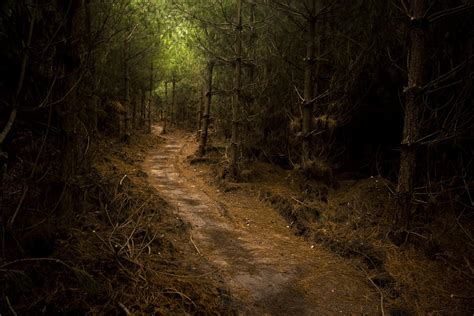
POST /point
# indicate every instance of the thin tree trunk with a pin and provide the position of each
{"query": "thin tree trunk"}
(207, 110)
(126, 57)
(94, 100)
(173, 111)
(165, 108)
(236, 96)
(150, 97)
(201, 110)
(413, 110)
(150, 105)
(12, 117)
(308, 84)
(68, 107)
(253, 39)
(144, 98)
(134, 105)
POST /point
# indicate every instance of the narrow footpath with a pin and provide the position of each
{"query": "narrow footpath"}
(267, 268)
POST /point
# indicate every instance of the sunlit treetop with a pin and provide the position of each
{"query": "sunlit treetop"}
(179, 54)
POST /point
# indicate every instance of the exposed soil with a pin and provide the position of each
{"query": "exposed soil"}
(267, 268)
(424, 270)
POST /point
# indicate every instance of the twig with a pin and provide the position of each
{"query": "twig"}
(18, 207)
(469, 264)
(299, 202)
(381, 296)
(197, 249)
(416, 234)
(8, 126)
(299, 95)
(124, 308)
(109, 245)
(382, 310)
(123, 178)
(36, 259)
(181, 294)
(465, 232)
(10, 306)
(147, 246)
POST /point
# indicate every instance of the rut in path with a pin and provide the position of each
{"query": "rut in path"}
(266, 268)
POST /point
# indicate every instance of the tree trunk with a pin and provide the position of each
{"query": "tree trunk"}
(236, 95)
(93, 100)
(135, 102)
(201, 110)
(150, 106)
(308, 84)
(150, 100)
(207, 110)
(68, 107)
(173, 102)
(126, 57)
(165, 108)
(413, 110)
(19, 88)
(142, 107)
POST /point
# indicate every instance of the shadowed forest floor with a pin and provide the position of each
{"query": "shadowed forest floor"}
(159, 231)
(285, 244)
(266, 267)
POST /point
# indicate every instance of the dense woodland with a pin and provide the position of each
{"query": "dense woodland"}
(331, 90)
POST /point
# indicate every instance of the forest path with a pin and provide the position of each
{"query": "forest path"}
(269, 270)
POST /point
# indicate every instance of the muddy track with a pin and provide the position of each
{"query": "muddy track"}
(267, 269)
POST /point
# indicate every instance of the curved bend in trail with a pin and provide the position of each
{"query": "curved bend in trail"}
(269, 270)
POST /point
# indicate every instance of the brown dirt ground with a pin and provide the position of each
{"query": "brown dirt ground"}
(425, 271)
(267, 269)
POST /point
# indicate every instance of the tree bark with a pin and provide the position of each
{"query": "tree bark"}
(126, 57)
(308, 83)
(236, 95)
(135, 102)
(201, 111)
(93, 99)
(165, 108)
(207, 110)
(67, 113)
(150, 100)
(21, 79)
(413, 110)
(142, 107)
(173, 101)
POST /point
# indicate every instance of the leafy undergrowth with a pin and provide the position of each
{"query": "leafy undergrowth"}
(122, 252)
(428, 270)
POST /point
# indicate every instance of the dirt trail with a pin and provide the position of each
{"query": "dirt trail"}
(268, 269)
